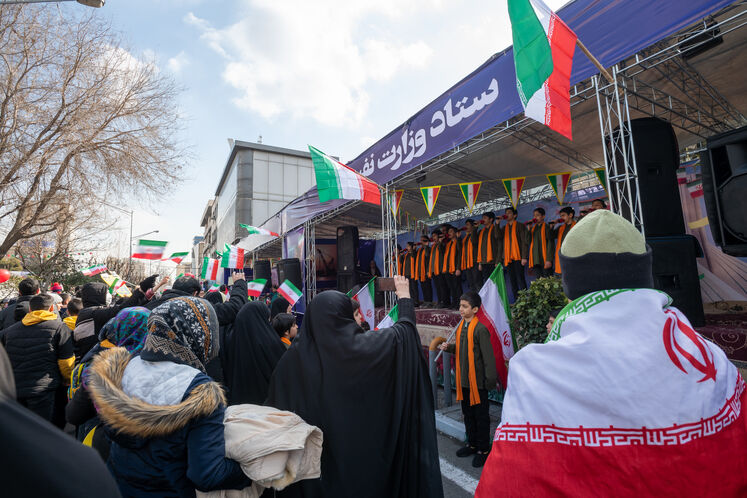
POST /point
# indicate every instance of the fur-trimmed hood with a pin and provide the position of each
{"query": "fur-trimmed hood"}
(132, 416)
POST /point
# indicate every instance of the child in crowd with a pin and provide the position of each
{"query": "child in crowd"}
(551, 318)
(73, 308)
(286, 327)
(475, 375)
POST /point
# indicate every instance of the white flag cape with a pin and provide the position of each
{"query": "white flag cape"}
(625, 400)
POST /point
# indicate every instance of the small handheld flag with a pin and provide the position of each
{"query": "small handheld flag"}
(149, 249)
(258, 231)
(255, 287)
(210, 268)
(290, 292)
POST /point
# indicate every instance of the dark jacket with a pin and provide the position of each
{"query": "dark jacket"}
(485, 371)
(409, 268)
(456, 246)
(423, 261)
(536, 253)
(164, 443)
(436, 261)
(34, 351)
(483, 256)
(15, 312)
(96, 313)
(226, 313)
(522, 236)
(469, 250)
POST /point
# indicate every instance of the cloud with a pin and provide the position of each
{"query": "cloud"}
(315, 60)
(178, 62)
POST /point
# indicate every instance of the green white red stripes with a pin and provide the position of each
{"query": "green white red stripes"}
(255, 287)
(149, 249)
(559, 183)
(430, 196)
(210, 268)
(232, 257)
(390, 319)
(494, 314)
(176, 257)
(602, 177)
(543, 56)
(258, 231)
(695, 188)
(334, 180)
(365, 297)
(394, 201)
(290, 292)
(513, 188)
(470, 191)
(93, 270)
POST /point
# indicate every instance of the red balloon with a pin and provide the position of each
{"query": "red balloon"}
(4, 275)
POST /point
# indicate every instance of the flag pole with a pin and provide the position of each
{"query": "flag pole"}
(453, 332)
(594, 61)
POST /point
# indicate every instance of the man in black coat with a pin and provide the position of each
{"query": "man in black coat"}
(226, 312)
(41, 352)
(96, 313)
(27, 288)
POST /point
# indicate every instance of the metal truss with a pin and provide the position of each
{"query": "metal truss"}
(309, 233)
(389, 243)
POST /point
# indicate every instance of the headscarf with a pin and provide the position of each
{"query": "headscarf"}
(252, 350)
(183, 330)
(279, 305)
(340, 379)
(214, 297)
(127, 329)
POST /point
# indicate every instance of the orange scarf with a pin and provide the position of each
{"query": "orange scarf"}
(285, 341)
(544, 245)
(468, 259)
(561, 231)
(434, 268)
(400, 264)
(489, 256)
(413, 265)
(474, 396)
(450, 257)
(420, 263)
(511, 250)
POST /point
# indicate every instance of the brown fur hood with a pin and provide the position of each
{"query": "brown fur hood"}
(134, 417)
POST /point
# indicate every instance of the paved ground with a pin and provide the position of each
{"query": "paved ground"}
(458, 476)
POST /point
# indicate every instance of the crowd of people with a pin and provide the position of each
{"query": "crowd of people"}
(146, 387)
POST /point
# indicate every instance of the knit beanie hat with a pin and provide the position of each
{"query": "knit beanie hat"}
(604, 251)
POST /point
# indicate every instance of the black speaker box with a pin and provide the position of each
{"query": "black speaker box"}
(262, 269)
(290, 269)
(347, 249)
(657, 159)
(676, 273)
(724, 166)
(346, 281)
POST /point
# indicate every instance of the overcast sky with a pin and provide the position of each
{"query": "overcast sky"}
(335, 74)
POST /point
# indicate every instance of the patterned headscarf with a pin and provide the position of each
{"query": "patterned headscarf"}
(128, 329)
(182, 330)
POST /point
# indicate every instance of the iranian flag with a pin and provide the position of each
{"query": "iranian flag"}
(149, 249)
(494, 314)
(232, 257)
(116, 284)
(210, 268)
(214, 287)
(176, 257)
(430, 196)
(258, 231)
(394, 201)
(695, 188)
(513, 188)
(602, 177)
(365, 297)
(682, 175)
(559, 183)
(93, 270)
(334, 180)
(543, 56)
(255, 287)
(469, 192)
(390, 319)
(290, 292)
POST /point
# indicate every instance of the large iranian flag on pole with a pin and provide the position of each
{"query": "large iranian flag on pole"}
(232, 257)
(494, 314)
(149, 249)
(334, 180)
(469, 192)
(290, 292)
(365, 297)
(210, 268)
(543, 56)
(626, 399)
(255, 287)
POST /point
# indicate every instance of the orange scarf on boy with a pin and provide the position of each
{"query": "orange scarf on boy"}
(474, 396)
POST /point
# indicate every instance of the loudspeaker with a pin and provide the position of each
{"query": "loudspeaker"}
(657, 159)
(262, 269)
(346, 281)
(347, 249)
(676, 273)
(724, 166)
(290, 269)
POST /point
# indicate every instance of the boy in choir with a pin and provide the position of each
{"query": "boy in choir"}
(452, 266)
(515, 249)
(488, 246)
(410, 270)
(567, 215)
(422, 262)
(540, 245)
(469, 256)
(436, 264)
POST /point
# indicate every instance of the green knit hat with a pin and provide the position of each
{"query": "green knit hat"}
(604, 251)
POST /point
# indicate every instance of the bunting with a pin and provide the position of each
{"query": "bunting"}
(602, 177)
(394, 201)
(430, 195)
(559, 183)
(513, 188)
(470, 191)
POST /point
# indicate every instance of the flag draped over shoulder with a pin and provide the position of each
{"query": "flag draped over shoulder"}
(625, 399)
(543, 56)
(334, 180)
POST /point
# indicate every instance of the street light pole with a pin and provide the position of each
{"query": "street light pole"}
(88, 3)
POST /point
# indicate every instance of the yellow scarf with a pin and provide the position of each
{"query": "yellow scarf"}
(511, 250)
(37, 316)
(474, 396)
(70, 321)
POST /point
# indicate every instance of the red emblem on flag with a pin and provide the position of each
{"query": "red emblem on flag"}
(506, 340)
(704, 364)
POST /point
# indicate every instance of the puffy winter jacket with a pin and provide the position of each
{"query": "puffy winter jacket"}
(165, 421)
(15, 312)
(37, 352)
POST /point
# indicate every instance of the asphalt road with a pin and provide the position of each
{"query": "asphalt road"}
(457, 474)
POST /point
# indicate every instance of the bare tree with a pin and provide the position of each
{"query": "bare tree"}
(80, 118)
